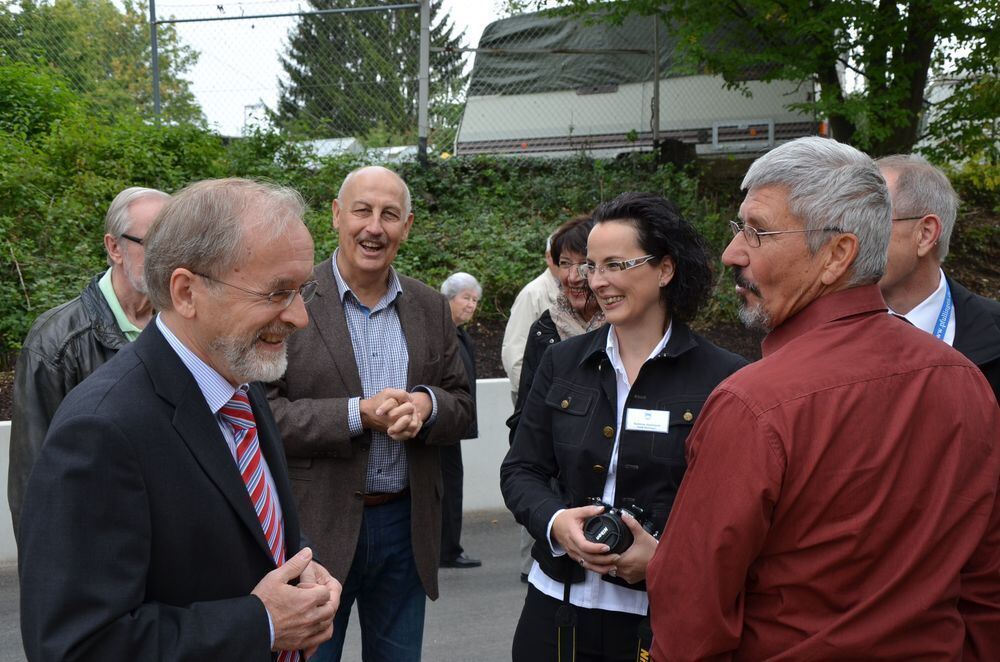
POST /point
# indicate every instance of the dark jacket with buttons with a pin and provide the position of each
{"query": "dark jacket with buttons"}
(567, 432)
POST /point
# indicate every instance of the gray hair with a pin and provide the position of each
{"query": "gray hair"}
(459, 282)
(205, 227)
(923, 189)
(407, 200)
(832, 185)
(118, 219)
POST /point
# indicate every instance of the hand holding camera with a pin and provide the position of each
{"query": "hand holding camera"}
(567, 531)
(628, 534)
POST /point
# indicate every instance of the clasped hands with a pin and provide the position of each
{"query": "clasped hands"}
(567, 529)
(398, 413)
(302, 615)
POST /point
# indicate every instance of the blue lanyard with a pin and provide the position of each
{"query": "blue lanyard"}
(945, 315)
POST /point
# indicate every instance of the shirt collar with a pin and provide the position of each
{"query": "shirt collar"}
(827, 308)
(925, 314)
(611, 347)
(216, 389)
(130, 330)
(394, 289)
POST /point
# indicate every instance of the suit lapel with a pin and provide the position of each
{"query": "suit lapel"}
(412, 319)
(326, 313)
(196, 426)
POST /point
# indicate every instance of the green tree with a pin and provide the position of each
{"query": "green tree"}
(103, 52)
(870, 59)
(356, 74)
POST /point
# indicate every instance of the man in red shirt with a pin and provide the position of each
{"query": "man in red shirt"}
(841, 493)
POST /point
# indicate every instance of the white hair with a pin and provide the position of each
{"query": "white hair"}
(922, 189)
(832, 185)
(118, 219)
(458, 282)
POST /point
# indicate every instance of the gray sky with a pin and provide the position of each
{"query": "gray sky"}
(238, 68)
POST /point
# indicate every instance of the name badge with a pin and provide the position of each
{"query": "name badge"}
(647, 420)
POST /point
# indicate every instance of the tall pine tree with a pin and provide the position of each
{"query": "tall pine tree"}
(357, 74)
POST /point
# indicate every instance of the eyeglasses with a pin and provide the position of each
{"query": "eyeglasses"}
(753, 235)
(567, 265)
(281, 298)
(135, 240)
(588, 270)
(908, 218)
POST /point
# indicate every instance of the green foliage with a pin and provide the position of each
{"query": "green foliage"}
(978, 184)
(31, 100)
(102, 50)
(55, 185)
(491, 216)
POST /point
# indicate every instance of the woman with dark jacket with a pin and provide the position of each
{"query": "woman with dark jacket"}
(463, 292)
(606, 417)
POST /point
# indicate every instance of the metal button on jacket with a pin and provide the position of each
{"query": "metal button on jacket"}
(564, 404)
(598, 469)
(609, 431)
(688, 416)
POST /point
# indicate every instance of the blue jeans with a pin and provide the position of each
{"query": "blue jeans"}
(384, 581)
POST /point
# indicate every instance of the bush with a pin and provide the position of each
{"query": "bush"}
(978, 184)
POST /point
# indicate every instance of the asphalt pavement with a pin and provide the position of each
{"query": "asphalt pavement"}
(474, 618)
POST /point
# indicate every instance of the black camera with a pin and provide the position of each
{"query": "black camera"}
(609, 529)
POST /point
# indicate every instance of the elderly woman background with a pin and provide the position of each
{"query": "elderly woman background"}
(463, 292)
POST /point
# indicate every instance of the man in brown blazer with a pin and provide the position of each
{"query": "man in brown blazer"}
(374, 385)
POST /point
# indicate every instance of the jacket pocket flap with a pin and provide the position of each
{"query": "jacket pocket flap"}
(569, 398)
(683, 411)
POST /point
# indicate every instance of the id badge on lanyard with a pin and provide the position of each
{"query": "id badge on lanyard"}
(945, 315)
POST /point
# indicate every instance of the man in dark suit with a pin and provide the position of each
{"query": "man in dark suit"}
(924, 207)
(159, 523)
(375, 385)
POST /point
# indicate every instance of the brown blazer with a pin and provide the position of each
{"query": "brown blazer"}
(326, 465)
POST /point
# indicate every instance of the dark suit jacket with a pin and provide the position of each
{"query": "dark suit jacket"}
(977, 331)
(467, 352)
(138, 539)
(326, 464)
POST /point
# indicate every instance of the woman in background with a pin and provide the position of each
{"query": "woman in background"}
(575, 311)
(463, 292)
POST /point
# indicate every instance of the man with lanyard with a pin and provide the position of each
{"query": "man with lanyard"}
(70, 341)
(924, 207)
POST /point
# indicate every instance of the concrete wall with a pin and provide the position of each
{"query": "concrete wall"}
(8, 552)
(481, 458)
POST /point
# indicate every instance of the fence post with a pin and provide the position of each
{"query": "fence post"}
(423, 80)
(155, 61)
(656, 85)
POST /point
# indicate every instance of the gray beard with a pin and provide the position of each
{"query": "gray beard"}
(246, 362)
(755, 318)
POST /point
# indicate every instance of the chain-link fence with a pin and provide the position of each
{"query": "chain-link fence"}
(315, 69)
(545, 84)
(318, 69)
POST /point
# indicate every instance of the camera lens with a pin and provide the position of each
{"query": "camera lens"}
(610, 530)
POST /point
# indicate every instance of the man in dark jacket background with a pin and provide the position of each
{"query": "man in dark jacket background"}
(70, 341)
(924, 207)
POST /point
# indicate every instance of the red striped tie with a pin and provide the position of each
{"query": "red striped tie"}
(238, 414)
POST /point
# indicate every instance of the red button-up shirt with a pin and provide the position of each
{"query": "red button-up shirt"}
(840, 501)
